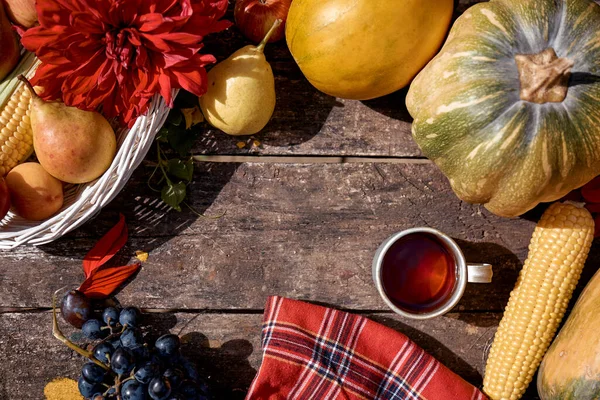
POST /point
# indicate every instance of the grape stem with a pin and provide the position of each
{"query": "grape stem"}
(60, 336)
(112, 334)
(118, 387)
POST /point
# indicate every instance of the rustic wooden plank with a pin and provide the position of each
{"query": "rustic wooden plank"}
(295, 230)
(226, 347)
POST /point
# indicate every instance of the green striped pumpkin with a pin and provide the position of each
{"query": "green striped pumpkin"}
(510, 108)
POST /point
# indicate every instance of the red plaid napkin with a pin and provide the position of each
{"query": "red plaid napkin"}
(313, 352)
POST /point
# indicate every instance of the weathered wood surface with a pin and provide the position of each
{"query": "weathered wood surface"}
(306, 231)
(226, 348)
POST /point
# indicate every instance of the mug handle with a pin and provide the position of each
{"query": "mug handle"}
(479, 273)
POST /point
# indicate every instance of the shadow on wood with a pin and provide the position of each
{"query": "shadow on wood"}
(503, 281)
(226, 369)
(145, 212)
(393, 105)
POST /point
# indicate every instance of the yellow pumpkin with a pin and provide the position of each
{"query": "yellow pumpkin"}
(362, 49)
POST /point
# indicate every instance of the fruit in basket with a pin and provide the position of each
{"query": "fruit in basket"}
(362, 49)
(34, 193)
(9, 45)
(241, 91)
(4, 198)
(21, 12)
(557, 252)
(16, 138)
(73, 145)
(508, 115)
(254, 18)
(571, 367)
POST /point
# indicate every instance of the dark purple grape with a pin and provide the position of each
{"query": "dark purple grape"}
(92, 329)
(159, 389)
(148, 371)
(133, 390)
(93, 373)
(110, 316)
(101, 350)
(167, 345)
(122, 361)
(141, 353)
(129, 316)
(189, 368)
(75, 308)
(131, 337)
(189, 390)
(87, 389)
(175, 376)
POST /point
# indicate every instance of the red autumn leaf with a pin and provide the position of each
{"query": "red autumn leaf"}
(591, 191)
(103, 282)
(597, 230)
(106, 248)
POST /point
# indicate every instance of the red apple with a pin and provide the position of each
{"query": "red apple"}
(4, 198)
(254, 18)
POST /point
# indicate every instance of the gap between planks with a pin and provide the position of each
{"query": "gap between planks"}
(313, 159)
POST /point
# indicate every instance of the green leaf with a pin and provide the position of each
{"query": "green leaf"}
(163, 135)
(181, 169)
(173, 194)
(182, 140)
(175, 117)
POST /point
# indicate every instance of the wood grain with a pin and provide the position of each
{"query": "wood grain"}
(292, 230)
(225, 347)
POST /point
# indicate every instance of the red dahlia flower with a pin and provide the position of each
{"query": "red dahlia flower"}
(118, 53)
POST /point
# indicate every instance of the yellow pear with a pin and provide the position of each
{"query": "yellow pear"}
(241, 91)
(73, 145)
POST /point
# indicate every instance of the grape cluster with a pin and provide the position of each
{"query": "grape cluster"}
(123, 366)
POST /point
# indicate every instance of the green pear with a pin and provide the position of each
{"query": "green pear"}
(240, 99)
(72, 145)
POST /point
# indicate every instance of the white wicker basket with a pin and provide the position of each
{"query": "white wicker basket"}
(82, 202)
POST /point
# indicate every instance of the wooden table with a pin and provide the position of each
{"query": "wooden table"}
(303, 214)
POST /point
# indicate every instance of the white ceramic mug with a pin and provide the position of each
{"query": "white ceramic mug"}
(472, 273)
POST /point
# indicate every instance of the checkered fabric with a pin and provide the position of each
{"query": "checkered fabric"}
(313, 352)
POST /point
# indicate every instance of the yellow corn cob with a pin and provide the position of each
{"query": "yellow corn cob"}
(16, 139)
(557, 252)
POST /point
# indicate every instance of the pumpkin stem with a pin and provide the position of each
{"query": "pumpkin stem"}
(544, 76)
